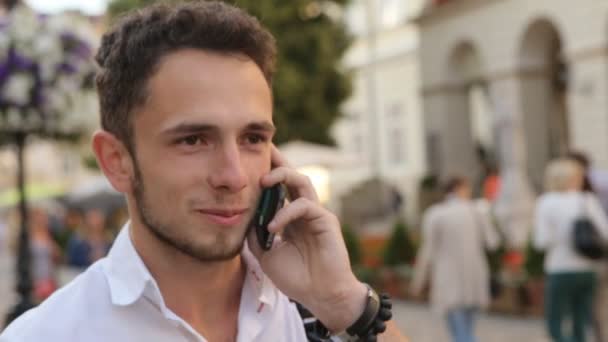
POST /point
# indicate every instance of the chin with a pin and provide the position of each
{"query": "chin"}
(223, 247)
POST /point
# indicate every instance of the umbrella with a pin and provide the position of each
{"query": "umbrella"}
(96, 193)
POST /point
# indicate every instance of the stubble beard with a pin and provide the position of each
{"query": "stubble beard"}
(221, 250)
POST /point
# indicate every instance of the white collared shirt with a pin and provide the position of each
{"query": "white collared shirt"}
(116, 299)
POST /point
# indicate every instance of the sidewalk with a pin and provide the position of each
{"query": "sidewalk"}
(420, 325)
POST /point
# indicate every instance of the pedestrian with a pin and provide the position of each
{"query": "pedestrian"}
(570, 277)
(90, 243)
(595, 181)
(44, 255)
(186, 113)
(491, 184)
(71, 223)
(455, 236)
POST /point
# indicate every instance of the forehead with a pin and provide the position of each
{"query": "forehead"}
(199, 85)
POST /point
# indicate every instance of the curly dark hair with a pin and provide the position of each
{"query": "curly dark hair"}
(132, 49)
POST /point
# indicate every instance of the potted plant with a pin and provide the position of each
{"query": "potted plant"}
(398, 256)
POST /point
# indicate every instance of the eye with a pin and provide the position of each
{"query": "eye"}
(191, 140)
(254, 139)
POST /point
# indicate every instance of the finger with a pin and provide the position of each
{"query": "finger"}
(276, 158)
(300, 209)
(297, 184)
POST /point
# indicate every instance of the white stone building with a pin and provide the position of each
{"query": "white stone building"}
(540, 66)
(382, 126)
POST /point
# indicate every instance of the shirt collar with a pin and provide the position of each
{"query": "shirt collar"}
(126, 273)
(129, 279)
(265, 291)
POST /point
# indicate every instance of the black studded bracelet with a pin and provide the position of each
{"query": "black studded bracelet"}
(372, 322)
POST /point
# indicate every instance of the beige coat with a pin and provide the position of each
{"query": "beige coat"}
(455, 235)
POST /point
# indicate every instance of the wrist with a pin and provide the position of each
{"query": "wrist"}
(343, 307)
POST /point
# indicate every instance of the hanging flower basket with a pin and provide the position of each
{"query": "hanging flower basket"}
(46, 75)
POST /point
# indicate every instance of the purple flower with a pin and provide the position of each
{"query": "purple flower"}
(47, 77)
(18, 62)
(67, 68)
(4, 71)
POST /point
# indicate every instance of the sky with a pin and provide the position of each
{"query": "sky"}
(91, 7)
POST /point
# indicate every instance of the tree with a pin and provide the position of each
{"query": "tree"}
(309, 86)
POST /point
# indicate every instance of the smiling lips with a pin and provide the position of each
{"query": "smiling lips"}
(224, 217)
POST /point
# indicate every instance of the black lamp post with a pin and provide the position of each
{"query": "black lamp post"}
(24, 279)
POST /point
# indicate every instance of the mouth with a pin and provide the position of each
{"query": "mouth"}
(224, 217)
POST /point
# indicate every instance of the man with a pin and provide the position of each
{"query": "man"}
(456, 232)
(186, 112)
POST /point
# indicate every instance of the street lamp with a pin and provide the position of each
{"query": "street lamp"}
(46, 82)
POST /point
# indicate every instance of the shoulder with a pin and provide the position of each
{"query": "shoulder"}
(548, 200)
(593, 201)
(434, 210)
(68, 311)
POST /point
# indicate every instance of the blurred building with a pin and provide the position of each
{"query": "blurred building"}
(382, 126)
(538, 68)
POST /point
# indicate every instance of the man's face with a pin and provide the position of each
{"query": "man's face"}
(202, 143)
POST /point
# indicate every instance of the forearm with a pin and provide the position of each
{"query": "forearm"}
(342, 315)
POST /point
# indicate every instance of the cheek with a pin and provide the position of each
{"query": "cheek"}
(256, 167)
(168, 181)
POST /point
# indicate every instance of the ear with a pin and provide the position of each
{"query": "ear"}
(114, 160)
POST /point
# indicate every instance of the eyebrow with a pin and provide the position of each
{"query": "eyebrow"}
(193, 127)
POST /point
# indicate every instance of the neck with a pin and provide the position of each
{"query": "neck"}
(204, 294)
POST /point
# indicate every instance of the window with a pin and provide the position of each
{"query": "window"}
(396, 137)
(397, 150)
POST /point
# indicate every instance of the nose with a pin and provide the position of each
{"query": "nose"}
(227, 172)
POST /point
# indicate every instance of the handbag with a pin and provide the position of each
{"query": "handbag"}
(586, 239)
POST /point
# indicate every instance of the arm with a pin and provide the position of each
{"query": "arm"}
(542, 226)
(425, 253)
(491, 238)
(309, 263)
(597, 214)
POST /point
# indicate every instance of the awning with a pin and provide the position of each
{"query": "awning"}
(33, 192)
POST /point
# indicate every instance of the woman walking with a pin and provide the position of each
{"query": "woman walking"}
(571, 277)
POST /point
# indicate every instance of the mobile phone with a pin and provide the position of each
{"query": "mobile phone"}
(271, 200)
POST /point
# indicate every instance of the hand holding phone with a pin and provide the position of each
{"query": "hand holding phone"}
(271, 200)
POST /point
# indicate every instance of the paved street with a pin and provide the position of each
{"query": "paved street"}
(415, 320)
(420, 325)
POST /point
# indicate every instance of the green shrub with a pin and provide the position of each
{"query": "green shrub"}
(352, 245)
(534, 261)
(367, 275)
(399, 247)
